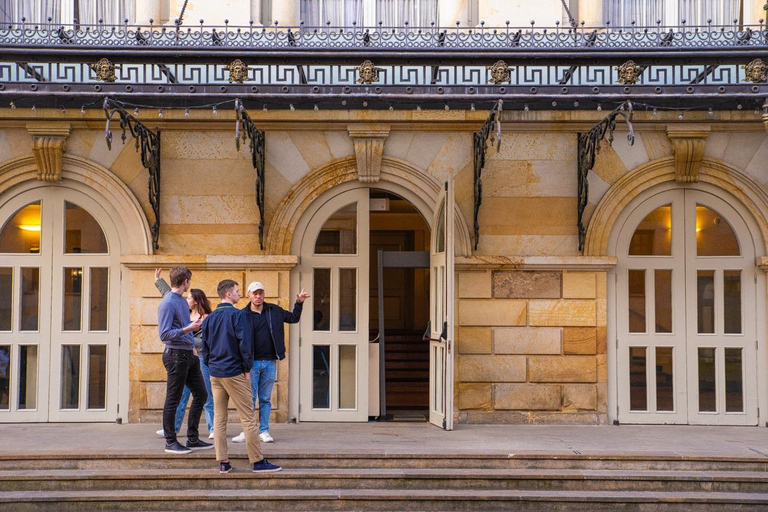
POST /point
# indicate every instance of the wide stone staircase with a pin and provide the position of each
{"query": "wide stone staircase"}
(360, 481)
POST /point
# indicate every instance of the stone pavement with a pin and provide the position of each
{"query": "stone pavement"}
(407, 438)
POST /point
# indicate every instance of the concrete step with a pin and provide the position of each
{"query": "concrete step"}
(393, 500)
(208, 478)
(203, 460)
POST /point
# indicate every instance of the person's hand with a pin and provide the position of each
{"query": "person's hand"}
(158, 271)
(194, 351)
(302, 296)
(196, 325)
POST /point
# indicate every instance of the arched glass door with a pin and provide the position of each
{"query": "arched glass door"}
(58, 309)
(685, 313)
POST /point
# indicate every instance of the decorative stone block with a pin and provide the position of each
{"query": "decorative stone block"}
(491, 312)
(579, 397)
(527, 285)
(562, 312)
(154, 395)
(475, 396)
(526, 340)
(475, 285)
(369, 150)
(148, 368)
(492, 369)
(602, 340)
(579, 285)
(579, 340)
(474, 340)
(562, 369)
(527, 397)
(146, 339)
(601, 285)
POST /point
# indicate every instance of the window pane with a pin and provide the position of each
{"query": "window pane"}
(70, 376)
(665, 396)
(734, 383)
(440, 233)
(663, 297)
(6, 298)
(636, 301)
(73, 299)
(732, 301)
(97, 376)
(707, 386)
(638, 380)
(30, 298)
(83, 233)
(99, 298)
(347, 377)
(5, 377)
(714, 236)
(322, 299)
(321, 377)
(28, 377)
(339, 233)
(705, 297)
(653, 236)
(347, 299)
(21, 234)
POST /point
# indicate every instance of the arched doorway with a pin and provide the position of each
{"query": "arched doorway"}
(686, 309)
(59, 308)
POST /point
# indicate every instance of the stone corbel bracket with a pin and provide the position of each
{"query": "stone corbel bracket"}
(49, 141)
(688, 143)
(369, 149)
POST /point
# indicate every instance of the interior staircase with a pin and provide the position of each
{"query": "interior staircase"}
(342, 482)
(407, 372)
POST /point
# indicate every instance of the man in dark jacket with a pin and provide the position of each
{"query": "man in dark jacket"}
(228, 352)
(266, 323)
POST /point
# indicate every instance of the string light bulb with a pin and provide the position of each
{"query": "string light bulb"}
(159, 112)
(215, 110)
(680, 115)
(136, 111)
(757, 110)
(292, 107)
(739, 106)
(391, 108)
(343, 102)
(186, 112)
(655, 112)
(82, 110)
(526, 107)
(34, 108)
(710, 111)
(599, 107)
(63, 109)
(13, 106)
(576, 103)
(554, 103)
(472, 107)
(418, 108)
(447, 107)
(316, 107)
(264, 108)
(365, 103)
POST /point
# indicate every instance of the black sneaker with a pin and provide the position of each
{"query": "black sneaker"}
(198, 445)
(176, 448)
(264, 466)
(225, 467)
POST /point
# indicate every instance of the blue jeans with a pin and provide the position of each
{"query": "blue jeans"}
(262, 381)
(207, 408)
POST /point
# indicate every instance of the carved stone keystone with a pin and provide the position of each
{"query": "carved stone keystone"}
(369, 149)
(49, 141)
(688, 142)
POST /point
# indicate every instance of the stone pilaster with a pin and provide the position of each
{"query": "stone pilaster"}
(688, 142)
(48, 145)
(369, 149)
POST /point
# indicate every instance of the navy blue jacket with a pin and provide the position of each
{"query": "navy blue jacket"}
(276, 317)
(227, 342)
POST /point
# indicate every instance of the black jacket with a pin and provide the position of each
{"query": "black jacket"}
(276, 317)
(227, 344)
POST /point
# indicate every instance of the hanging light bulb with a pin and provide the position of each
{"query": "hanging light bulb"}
(710, 111)
(343, 102)
(655, 112)
(292, 107)
(215, 110)
(757, 110)
(680, 115)
(316, 107)
(472, 107)
(63, 109)
(526, 107)
(738, 106)
(136, 111)
(186, 112)
(447, 107)
(159, 112)
(599, 107)
(264, 108)
(554, 103)
(13, 106)
(34, 108)
(391, 108)
(82, 110)
(365, 103)
(418, 108)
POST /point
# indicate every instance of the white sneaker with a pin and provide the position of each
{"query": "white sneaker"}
(210, 436)
(240, 438)
(266, 438)
(161, 433)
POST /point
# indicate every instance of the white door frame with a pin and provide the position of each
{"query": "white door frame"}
(760, 291)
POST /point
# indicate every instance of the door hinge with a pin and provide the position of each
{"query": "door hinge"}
(119, 342)
(299, 340)
(617, 342)
(755, 344)
(616, 278)
(118, 408)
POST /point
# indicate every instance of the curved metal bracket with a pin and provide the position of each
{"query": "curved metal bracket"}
(589, 146)
(149, 143)
(481, 147)
(257, 141)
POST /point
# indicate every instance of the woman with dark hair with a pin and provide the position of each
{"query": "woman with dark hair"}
(199, 308)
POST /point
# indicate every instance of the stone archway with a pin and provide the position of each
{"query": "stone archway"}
(397, 176)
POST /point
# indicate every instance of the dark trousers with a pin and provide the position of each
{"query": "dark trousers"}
(183, 370)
